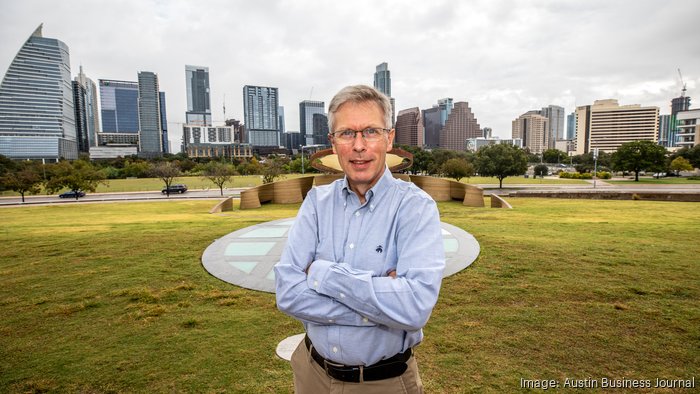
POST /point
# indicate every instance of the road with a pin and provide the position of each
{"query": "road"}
(130, 196)
(235, 192)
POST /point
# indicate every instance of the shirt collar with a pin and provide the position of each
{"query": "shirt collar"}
(374, 194)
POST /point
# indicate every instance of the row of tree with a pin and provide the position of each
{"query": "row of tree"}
(498, 161)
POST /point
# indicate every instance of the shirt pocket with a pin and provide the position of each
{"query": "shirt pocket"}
(372, 257)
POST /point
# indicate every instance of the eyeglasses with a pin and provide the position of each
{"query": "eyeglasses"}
(370, 134)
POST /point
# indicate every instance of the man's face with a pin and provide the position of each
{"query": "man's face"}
(363, 162)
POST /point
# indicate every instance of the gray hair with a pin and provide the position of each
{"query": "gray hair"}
(359, 94)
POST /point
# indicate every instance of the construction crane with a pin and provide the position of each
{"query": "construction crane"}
(682, 83)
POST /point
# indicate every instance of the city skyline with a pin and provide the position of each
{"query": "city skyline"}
(479, 52)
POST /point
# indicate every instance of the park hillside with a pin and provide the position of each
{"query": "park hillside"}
(112, 297)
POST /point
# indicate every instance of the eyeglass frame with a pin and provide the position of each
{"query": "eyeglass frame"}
(362, 132)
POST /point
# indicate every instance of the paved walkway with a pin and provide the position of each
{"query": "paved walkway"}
(246, 257)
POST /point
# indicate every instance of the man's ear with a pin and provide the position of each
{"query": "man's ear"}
(330, 139)
(391, 136)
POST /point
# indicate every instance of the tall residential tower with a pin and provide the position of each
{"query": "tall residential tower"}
(198, 99)
(260, 111)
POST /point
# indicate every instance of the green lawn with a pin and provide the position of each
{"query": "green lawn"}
(520, 180)
(113, 298)
(196, 182)
(660, 181)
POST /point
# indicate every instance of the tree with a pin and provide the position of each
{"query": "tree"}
(680, 164)
(541, 170)
(294, 166)
(76, 176)
(135, 169)
(25, 178)
(250, 167)
(586, 163)
(694, 156)
(166, 171)
(553, 156)
(639, 156)
(6, 165)
(273, 168)
(501, 161)
(458, 168)
(219, 173)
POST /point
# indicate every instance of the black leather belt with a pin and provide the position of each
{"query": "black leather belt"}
(384, 369)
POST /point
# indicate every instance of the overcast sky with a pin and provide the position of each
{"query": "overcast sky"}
(503, 57)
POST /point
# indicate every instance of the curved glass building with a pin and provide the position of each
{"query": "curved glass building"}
(37, 117)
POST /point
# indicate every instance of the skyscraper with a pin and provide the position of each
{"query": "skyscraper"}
(461, 125)
(198, 100)
(320, 129)
(81, 131)
(260, 106)
(409, 127)
(119, 103)
(607, 125)
(91, 115)
(532, 128)
(664, 130)
(382, 79)
(678, 104)
(37, 117)
(382, 82)
(555, 125)
(150, 131)
(571, 126)
(307, 109)
(164, 123)
(432, 127)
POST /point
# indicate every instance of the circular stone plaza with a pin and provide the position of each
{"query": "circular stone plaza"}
(246, 258)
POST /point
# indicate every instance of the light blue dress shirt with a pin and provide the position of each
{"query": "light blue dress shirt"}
(353, 312)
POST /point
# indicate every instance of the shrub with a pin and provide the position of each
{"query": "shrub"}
(604, 175)
(576, 175)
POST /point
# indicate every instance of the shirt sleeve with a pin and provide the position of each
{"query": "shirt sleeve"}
(404, 302)
(292, 292)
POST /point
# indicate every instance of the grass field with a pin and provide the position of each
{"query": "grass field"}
(660, 181)
(195, 182)
(113, 298)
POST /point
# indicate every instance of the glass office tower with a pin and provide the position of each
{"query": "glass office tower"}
(119, 102)
(37, 117)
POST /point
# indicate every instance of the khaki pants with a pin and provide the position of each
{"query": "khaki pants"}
(310, 378)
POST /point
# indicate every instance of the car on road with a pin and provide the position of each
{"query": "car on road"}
(177, 188)
(72, 194)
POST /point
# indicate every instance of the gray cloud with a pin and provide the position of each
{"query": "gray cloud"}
(503, 57)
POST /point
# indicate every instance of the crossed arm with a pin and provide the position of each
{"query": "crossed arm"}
(332, 292)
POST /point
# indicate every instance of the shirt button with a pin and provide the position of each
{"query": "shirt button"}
(357, 213)
(315, 283)
(335, 349)
(371, 206)
(365, 320)
(351, 246)
(330, 320)
(342, 295)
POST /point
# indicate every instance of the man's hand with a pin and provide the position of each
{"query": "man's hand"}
(391, 273)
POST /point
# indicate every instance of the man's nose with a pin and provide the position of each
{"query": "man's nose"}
(359, 143)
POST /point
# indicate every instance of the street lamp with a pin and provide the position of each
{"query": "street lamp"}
(302, 154)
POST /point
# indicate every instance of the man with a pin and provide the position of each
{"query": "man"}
(363, 262)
